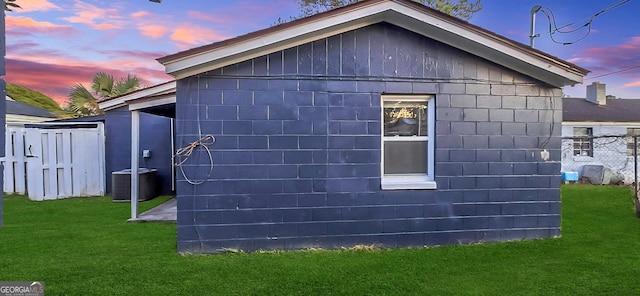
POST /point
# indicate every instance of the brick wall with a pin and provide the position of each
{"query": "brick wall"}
(297, 152)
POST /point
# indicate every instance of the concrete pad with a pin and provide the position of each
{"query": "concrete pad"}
(166, 212)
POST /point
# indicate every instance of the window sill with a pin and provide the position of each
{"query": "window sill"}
(407, 182)
(582, 158)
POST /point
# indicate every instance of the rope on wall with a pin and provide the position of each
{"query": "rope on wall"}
(183, 154)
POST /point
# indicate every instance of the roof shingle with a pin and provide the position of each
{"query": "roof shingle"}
(616, 110)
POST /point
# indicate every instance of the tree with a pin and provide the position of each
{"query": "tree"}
(463, 9)
(34, 98)
(83, 102)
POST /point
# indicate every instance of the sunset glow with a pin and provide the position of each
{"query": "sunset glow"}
(54, 44)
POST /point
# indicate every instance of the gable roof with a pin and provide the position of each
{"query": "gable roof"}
(616, 110)
(407, 14)
(20, 108)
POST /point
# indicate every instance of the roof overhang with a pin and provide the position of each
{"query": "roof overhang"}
(150, 97)
(403, 13)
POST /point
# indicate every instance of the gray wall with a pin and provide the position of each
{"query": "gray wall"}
(155, 135)
(297, 156)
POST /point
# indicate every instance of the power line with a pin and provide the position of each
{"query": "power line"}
(553, 28)
(614, 72)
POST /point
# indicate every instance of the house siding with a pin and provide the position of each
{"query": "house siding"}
(609, 149)
(297, 153)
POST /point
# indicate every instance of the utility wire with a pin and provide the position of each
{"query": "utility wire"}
(553, 27)
(614, 72)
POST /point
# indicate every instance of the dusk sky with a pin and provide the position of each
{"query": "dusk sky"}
(54, 44)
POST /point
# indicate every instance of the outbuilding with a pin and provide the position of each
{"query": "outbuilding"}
(380, 123)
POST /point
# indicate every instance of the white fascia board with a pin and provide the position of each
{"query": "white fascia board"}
(27, 118)
(440, 29)
(146, 92)
(154, 102)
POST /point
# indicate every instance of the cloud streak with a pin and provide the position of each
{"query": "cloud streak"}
(24, 26)
(36, 75)
(95, 17)
(53, 53)
(38, 5)
(607, 59)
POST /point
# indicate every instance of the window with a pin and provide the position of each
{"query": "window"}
(582, 141)
(408, 128)
(631, 133)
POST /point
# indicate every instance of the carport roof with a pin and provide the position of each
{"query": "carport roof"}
(159, 99)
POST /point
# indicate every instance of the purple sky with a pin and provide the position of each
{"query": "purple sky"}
(53, 44)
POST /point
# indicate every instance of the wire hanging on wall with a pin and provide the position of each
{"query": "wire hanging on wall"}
(203, 142)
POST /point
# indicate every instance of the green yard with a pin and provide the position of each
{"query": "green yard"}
(85, 247)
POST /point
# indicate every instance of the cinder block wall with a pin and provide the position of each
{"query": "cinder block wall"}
(297, 152)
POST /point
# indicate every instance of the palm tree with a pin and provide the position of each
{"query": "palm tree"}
(9, 4)
(83, 102)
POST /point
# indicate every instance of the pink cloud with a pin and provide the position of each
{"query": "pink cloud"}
(57, 86)
(140, 14)
(190, 30)
(37, 5)
(95, 17)
(153, 31)
(243, 10)
(574, 60)
(633, 84)
(21, 26)
(195, 35)
(136, 55)
(611, 58)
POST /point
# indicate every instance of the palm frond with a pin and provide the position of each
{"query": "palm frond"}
(103, 84)
(123, 86)
(82, 102)
(9, 4)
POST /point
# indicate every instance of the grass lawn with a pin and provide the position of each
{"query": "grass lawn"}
(85, 247)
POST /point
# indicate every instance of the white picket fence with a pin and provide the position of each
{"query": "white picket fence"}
(54, 160)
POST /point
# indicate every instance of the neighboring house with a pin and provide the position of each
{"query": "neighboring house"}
(23, 112)
(597, 131)
(383, 122)
(155, 129)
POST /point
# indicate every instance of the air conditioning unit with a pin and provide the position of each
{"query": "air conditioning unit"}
(121, 184)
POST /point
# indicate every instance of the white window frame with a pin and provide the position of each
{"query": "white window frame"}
(582, 139)
(410, 181)
(632, 132)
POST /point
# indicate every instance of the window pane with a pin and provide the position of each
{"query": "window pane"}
(405, 157)
(582, 141)
(405, 118)
(582, 131)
